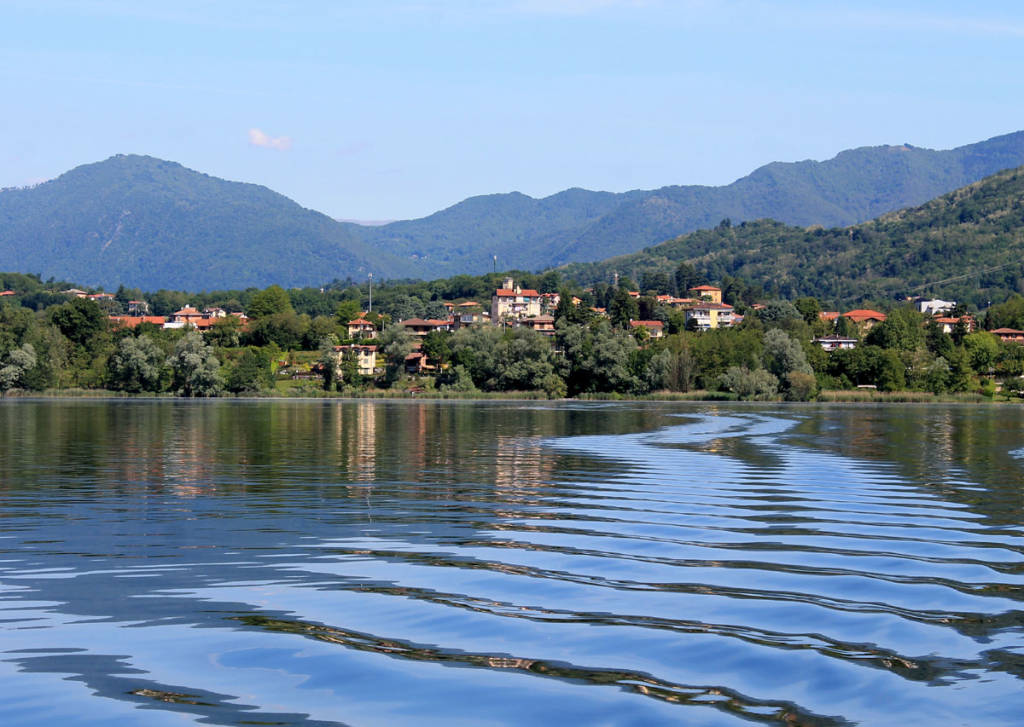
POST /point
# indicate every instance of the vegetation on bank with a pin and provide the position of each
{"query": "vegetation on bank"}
(50, 342)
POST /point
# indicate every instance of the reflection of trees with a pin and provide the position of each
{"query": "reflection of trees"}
(949, 450)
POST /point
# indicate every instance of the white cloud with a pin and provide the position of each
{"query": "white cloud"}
(262, 139)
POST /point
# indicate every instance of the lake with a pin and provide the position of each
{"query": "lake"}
(510, 563)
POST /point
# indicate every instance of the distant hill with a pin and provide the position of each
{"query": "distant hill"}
(967, 246)
(155, 224)
(579, 225)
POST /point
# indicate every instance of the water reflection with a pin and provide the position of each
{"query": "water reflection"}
(389, 562)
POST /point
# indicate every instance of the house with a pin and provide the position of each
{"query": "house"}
(541, 324)
(549, 301)
(189, 316)
(361, 328)
(100, 296)
(138, 308)
(512, 302)
(835, 343)
(655, 328)
(214, 313)
(133, 321)
(416, 363)
(829, 316)
(6, 293)
(75, 292)
(710, 315)
(935, 307)
(864, 318)
(707, 293)
(947, 324)
(1010, 335)
(421, 326)
(365, 355)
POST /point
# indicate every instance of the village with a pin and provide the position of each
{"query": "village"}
(515, 307)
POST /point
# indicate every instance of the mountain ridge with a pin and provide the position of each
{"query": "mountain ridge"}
(159, 224)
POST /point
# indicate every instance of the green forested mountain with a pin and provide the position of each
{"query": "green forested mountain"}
(155, 224)
(967, 245)
(577, 225)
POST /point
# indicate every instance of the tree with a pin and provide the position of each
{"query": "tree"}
(809, 308)
(195, 369)
(15, 366)
(269, 301)
(436, 346)
(251, 374)
(394, 343)
(783, 355)
(136, 365)
(746, 384)
(225, 332)
(622, 309)
(81, 321)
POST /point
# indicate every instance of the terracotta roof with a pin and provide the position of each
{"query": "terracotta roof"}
(1007, 331)
(7, 292)
(861, 314)
(712, 306)
(828, 315)
(507, 292)
(360, 322)
(468, 304)
(132, 321)
(187, 311)
(647, 324)
(705, 287)
(424, 322)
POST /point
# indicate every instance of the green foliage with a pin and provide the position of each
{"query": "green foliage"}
(251, 374)
(929, 249)
(757, 385)
(15, 365)
(270, 301)
(196, 371)
(136, 365)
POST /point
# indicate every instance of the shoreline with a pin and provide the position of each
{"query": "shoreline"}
(837, 396)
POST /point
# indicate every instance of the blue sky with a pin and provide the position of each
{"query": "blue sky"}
(394, 109)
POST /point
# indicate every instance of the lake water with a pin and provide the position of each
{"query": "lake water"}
(515, 563)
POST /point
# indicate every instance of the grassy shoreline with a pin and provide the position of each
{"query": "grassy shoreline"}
(841, 396)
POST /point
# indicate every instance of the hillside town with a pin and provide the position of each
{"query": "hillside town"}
(564, 342)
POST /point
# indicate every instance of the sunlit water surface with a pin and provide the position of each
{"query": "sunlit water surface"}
(315, 563)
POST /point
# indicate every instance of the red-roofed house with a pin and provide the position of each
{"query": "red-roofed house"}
(541, 324)
(865, 318)
(655, 328)
(422, 326)
(1009, 334)
(361, 328)
(366, 358)
(6, 292)
(513, 302)
(708, 293)
(947, 324)
(829, 315)
(132, 321)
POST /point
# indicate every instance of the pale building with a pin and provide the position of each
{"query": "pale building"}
(512, 302)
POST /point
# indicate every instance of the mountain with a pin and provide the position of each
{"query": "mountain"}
(967, 246)
(155, 224)
(579, 225)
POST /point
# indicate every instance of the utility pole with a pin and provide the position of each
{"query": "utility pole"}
(369, 308)
(495, 264)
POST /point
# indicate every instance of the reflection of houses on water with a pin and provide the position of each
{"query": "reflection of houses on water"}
(520, 465)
